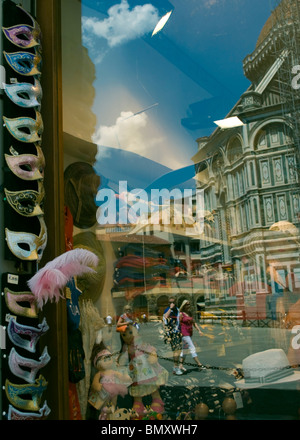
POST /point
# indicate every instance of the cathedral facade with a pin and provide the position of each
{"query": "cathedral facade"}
(250, 176)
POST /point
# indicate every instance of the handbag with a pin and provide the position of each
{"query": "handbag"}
(121, 329)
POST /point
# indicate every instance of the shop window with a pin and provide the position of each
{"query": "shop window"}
(140, 115)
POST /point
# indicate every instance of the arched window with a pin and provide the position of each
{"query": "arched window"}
(273, 135)
(234, 150)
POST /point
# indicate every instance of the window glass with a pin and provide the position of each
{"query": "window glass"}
(181, 145)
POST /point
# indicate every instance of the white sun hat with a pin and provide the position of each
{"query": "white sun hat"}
(266, 368)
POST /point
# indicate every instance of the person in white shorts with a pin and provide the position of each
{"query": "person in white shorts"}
(186, 324)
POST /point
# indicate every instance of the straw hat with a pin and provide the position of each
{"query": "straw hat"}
(265, 368)
(184, 303)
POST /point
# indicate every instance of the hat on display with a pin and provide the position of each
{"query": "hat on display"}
(265, 368)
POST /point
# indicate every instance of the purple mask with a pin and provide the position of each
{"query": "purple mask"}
(27, 369)
(14, 414)
(23, 36)
(18, 333)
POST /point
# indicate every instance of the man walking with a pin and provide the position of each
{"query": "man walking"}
(173, 333)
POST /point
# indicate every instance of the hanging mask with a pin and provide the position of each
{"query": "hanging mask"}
(24, 35)
(14, 300)
(24, 63)
(25, 94)
(14, 391)
(19, 127)
(18, 333)
(26, 166)
(34, 244)
(14, 414)
(26, 369)
(28, 203)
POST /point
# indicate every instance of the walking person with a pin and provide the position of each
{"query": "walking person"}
(126, 317)
(187, 323)
(173, 333)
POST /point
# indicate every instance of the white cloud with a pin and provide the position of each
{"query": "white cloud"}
(122, 24)
(128, 133)
(210, 3)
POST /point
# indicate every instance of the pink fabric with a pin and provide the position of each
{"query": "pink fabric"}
(115, 389)
(112, 385)
(186, 325)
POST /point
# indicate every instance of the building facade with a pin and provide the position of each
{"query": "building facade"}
(250, 177)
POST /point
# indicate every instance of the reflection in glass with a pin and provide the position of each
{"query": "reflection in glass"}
(185, 207)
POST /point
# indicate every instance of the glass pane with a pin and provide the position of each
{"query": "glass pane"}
(181, 151)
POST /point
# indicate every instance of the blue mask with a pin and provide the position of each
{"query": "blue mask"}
(24, 63)
(16, 127)
(25, 94)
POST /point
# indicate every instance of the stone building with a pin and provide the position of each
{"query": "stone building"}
(249, 173)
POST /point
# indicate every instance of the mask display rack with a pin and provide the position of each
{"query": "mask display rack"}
(25, 230)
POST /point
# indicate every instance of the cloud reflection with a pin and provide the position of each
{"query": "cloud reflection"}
(121, 26)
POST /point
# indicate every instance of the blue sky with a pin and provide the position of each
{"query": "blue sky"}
(156, 95)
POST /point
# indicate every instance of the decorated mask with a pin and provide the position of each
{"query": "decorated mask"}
(35, 243)
(26, 166)
(18, 333)
(14, 300)
(24, 63)
(24, 35)
(28, 203)
(24, 368)
(15, 391)
(18, 128)
(25, 94)
(14, 414)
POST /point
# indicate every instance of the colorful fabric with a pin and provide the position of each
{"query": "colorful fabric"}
(74, 405)
(186, 325)
(146, 376)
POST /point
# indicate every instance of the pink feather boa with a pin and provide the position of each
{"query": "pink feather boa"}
(47, 283)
